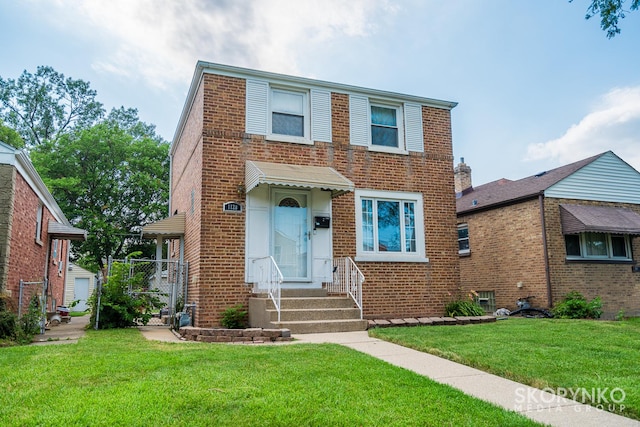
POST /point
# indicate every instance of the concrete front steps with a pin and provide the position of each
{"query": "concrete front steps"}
(306, 311)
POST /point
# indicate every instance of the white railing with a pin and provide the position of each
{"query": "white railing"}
(347, 279)
(269, 280)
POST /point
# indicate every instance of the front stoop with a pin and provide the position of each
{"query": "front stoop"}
(306, 312)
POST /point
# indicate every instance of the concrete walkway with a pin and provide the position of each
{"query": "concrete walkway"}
(540, 406)
(543, 407)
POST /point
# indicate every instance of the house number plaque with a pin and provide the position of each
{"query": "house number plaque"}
(232, 207)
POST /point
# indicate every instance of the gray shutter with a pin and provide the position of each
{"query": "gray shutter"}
(359, 120)
(413, 127)
(320, 115)
(257, 107)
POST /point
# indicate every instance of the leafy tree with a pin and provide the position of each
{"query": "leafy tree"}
(45, 105)
(610, 11)
(10, 136)
(109, 179)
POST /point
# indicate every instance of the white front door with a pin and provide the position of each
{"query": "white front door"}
(290, 234)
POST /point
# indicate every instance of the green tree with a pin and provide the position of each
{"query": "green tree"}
(109, 179)
(45, 105)
(10, 136)
(610, 11)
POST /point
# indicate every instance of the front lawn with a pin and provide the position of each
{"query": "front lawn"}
(597, 361)
(117, 377)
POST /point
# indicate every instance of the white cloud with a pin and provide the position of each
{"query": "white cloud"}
(614, 124)
(161, 40)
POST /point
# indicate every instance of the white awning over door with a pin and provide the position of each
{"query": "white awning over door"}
(322, 177)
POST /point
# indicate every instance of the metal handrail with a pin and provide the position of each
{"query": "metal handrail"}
(270, 280)
(347, 279)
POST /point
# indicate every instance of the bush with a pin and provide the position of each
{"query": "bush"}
(234, 317)
(118, 307)
(463, 308)
(575, 306)
(21, 330)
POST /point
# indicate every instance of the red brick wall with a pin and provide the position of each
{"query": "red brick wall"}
(616, 284)
(391, 289)
(27, 256)
(506, 248)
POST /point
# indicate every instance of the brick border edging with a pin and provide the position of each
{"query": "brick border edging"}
(248, 335)
(430, 321)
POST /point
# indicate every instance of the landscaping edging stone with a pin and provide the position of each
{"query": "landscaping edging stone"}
(249, 335)
(430, 321)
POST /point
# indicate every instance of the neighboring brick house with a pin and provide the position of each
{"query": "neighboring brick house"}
(314, 171)
(34, 233)
(573, 228)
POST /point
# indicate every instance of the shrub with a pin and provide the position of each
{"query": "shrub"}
(21, 330)
(120, 308)
(463, 308)
(234, 317)
(575, 306)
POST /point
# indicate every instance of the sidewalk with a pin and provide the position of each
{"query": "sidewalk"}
(536, 404)
(540, 406)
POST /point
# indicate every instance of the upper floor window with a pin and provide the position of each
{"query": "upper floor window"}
(389, 226)
(598, 246)
(289, 113)
(384, 125)
(39, 216)
(463, 239)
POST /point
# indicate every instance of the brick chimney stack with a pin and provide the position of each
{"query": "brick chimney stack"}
(462, 176)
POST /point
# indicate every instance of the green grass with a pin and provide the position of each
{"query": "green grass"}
(117, 377)
(563, 355)
(78, 313)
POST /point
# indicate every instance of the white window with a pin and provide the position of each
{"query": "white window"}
(39, 215)
(385, 126)
(288, 114)
(463, 239)
(389, 226)
(598, 246)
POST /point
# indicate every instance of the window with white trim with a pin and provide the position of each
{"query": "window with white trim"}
(289, 114)
(286, 113)
(389, 226)
(463, 239)
(598, 246)
(39, 215)
(384, 126)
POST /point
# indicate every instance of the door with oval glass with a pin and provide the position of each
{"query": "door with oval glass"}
(290, 234)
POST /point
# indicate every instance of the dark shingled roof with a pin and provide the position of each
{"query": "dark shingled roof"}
(598, 219)
(504, 191)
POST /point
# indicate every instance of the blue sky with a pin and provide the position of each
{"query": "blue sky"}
(538, 86)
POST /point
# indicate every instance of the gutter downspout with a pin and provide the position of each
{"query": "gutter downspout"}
(543, 224)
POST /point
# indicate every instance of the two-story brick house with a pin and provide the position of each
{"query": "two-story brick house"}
(306, 172)
(34, 234)
(573, 228)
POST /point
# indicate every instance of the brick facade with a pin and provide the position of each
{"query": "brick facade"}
(507, 247)
(210, 161)
(26, 256)
(615, 283)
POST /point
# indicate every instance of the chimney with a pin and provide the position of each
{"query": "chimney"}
(462, 176)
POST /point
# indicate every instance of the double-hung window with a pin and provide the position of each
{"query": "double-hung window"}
(389, 226)
(463, 239)
(39, 219)
(598, 246)
(384, 126)
(288, 113)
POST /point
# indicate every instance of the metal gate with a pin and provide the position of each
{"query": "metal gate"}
(34, 293)
(164, 281)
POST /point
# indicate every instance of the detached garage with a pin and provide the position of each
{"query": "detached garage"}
(79, 286)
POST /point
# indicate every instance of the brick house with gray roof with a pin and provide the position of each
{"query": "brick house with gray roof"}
(573, 228)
